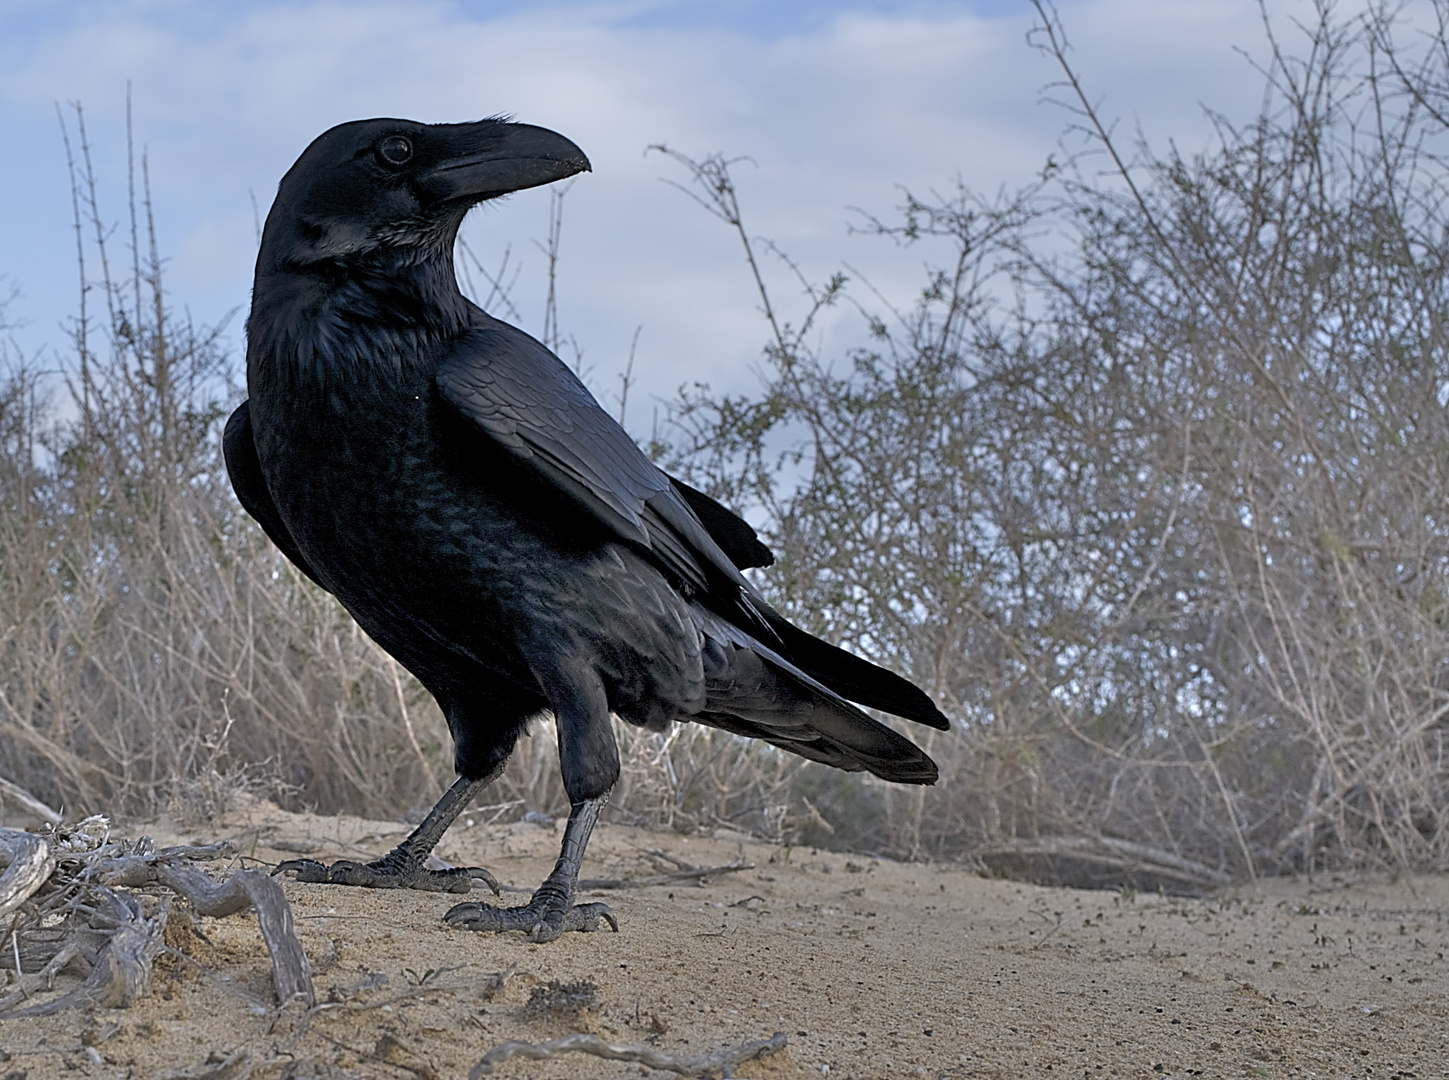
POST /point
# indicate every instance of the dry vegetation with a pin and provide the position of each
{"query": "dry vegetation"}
(1148, 490)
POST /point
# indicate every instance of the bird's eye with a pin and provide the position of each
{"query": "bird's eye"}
(395, 150)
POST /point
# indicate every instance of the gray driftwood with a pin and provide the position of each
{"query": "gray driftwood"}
(28, 864)
(718, 1063)
(291, 974)
(68, 897)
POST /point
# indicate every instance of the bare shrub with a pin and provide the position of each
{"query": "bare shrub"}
(1148, 488)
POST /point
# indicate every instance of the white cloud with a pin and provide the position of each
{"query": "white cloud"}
(835, 116)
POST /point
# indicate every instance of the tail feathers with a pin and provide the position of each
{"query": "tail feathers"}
(853, 678)
(920, 769)
(753, 691)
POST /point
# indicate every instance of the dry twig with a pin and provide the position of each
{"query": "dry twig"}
(17, 794)
(702, 1065)
(291, 974)
(122, 972)
(695, 873)
(28, 864)
(1114, 852)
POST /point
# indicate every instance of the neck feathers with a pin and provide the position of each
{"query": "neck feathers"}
(355, 319)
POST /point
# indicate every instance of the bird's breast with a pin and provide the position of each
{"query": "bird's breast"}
(407, 512)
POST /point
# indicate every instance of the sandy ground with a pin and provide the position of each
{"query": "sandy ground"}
(872, 969)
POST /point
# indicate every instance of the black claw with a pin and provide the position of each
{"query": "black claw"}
(607, 914)
(485, 877)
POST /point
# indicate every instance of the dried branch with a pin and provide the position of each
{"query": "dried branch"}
(122, 973)
(720, 1062)
(73, 909)
(291, 974)
(18, 794)
(28, 863)
(1111, 851)
(697, 873)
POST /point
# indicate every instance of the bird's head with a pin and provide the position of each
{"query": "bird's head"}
(399, 189)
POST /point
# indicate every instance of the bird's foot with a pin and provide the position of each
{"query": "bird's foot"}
(547, 916)
(395, 870)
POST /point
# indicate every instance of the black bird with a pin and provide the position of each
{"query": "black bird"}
(458, 489)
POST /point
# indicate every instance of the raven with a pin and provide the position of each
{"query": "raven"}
(458, 489)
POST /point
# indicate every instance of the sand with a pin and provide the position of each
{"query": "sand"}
(871, 968)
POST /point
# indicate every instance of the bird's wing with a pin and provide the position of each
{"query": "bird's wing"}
(524, 397)
(735, 536)
(245, 470)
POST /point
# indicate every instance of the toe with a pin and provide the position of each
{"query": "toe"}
(484, 918)
(477, 873)
(540, 923)
(586, 918)
(544, 931)
(308, 870)
(360, 874)
(390, 872)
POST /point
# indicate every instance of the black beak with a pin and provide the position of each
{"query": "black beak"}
(492, 158)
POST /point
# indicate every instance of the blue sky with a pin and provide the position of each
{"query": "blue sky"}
(838, 104)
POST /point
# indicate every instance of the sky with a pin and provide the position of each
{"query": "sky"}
(837, 104)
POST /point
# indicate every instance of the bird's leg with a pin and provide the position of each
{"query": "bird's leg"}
(403, 867)
(551, 912)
